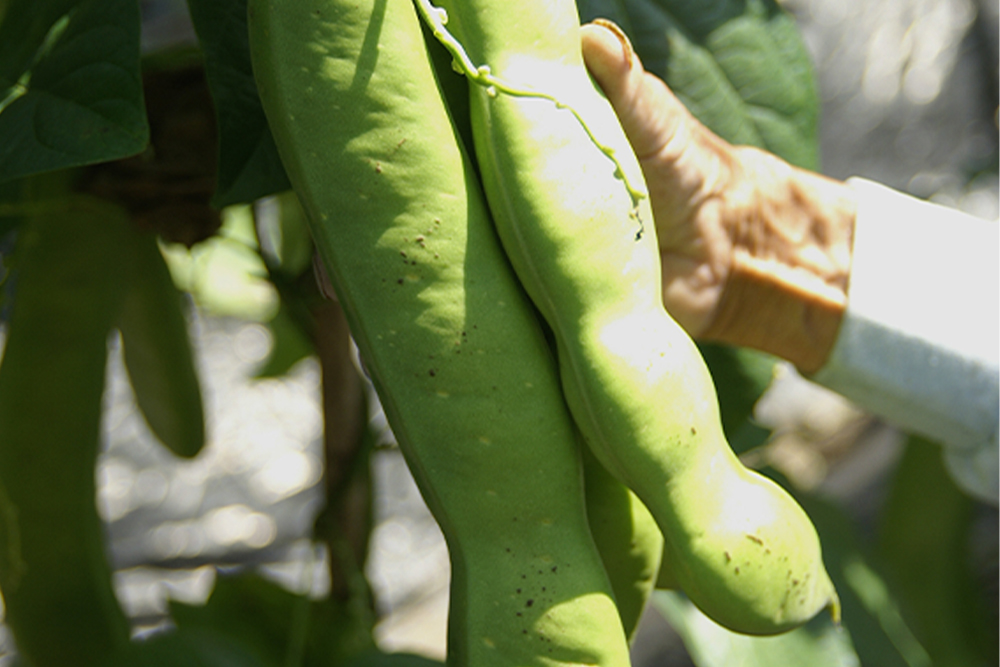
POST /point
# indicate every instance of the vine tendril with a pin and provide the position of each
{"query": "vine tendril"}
(436, 18)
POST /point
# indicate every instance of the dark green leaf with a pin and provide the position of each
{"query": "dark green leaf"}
(612, 10)
(741, 375)
(250, 611)
(187, 647)
(870, 612)
(289, 345)
(249, 166)
(26, 23)
(74, 95)
(924, 544)
(277, 626)
(378, 659)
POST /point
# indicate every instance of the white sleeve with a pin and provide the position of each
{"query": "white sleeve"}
(918, 344)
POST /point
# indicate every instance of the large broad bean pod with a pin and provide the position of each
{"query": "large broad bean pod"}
(739, 546)
(70, 285)
(626, 535)
(463, 370)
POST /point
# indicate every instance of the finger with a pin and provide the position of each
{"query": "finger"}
(648, 111)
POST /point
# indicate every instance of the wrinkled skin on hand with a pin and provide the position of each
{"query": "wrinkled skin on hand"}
(754, 251)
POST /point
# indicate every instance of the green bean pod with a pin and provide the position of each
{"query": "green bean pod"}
(56, 581)
(561, 182)
(464, 372)
(627, 537)
(157, 350)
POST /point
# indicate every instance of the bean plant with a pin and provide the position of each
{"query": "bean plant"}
(453, 195)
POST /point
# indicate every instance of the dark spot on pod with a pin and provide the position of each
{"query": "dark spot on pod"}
(402, 253)
(518, 591)
(755, 539)
(519, 614)
(523, 632)
(795, 582)
(737, 570)
(431, 372)
(543, 589)
(694, 431)
(529, 603)
(400, 281)
(555, 567)
(728, 557)
(378, 168)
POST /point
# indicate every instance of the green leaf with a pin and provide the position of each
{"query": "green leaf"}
(70, 87)
(923, 541)
(740, 67)
(277, 626)
(187, 647)
(25, 25)
(251, 612)
(741, 375)
(226, 274)
(820, 643)
(612, 10)
(379, 659)
(249, 166)
(289, 345)
(870, 612)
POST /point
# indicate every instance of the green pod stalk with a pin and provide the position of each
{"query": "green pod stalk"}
(453, 346)
(55, 578)
(157, 350)
(565, 192)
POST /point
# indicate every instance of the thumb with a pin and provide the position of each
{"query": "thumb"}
(649, 112)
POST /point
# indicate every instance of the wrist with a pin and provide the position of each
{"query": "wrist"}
(786, 289)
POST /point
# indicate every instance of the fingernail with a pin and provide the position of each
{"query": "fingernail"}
(623, 39)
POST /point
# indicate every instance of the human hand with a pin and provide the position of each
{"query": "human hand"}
(753, 251)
